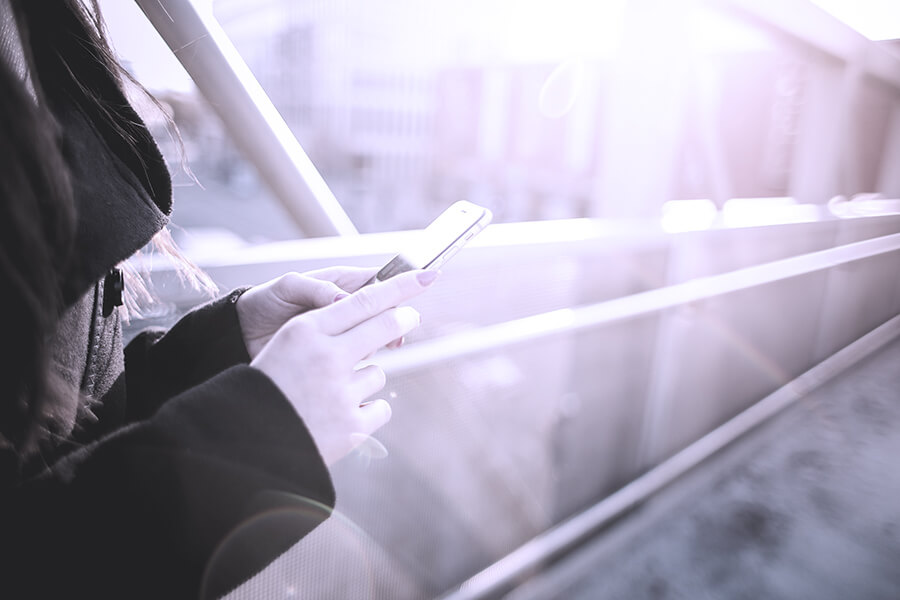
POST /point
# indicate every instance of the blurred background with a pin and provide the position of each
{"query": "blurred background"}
(696, 208)
(536, 110)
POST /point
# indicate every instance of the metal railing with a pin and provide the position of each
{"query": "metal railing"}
(555, 541)
(807, 24)
(569, 320)
(558, 539)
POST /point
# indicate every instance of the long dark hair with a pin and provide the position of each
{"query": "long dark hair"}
(37, 227)
(37, 208)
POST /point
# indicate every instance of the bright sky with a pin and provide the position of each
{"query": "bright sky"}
(875, 19)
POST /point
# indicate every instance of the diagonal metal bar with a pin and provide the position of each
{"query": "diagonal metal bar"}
(226, 82)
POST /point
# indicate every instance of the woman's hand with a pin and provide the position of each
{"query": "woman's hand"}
(263, 309)
(313, 356)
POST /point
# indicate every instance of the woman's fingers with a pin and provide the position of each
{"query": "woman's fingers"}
(370, 336)
(312, 356)
(372, 300)
(305, 292)
(374, 415)
(367, 381)
(346, 278)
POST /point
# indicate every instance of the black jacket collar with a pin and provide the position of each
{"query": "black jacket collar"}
(122, 188)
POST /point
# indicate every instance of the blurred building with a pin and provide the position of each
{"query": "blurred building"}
(362, 108)
(406, 106)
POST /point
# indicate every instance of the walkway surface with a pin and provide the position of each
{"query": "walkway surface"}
(807, 506)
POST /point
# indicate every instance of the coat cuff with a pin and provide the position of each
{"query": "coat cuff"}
(284, 487)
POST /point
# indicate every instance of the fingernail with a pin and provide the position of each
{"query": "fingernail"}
(340, 296)
(426, 278)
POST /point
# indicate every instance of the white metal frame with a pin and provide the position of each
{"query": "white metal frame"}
(823, 166)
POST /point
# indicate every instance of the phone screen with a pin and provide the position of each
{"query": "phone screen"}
(435, 244)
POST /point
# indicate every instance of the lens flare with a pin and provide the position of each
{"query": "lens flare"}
(561, 89)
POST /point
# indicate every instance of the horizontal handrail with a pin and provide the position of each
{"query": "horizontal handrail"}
(567, 320)
(558, 539)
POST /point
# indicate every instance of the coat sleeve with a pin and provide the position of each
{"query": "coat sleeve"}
(188, 503)
(160, 364)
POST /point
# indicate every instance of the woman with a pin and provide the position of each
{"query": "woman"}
(179, 466)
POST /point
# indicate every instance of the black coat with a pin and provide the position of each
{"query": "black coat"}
(188, 470)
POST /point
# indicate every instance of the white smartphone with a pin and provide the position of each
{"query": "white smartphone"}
(438, 242)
